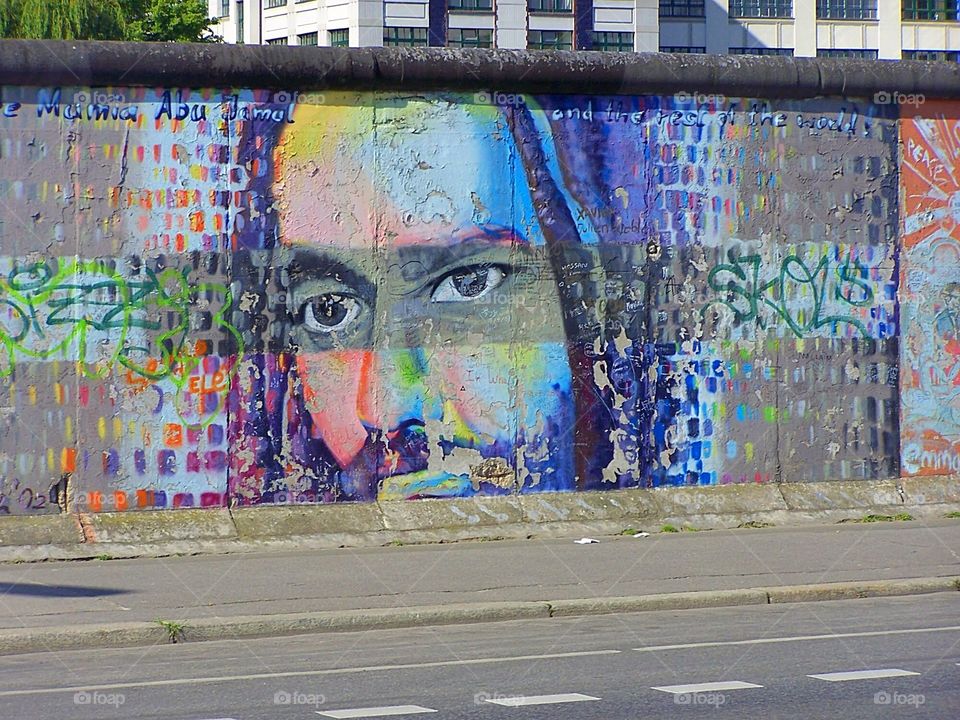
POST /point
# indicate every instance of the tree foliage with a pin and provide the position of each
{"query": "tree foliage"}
(170, 21)
(64, 19)
(150, 20)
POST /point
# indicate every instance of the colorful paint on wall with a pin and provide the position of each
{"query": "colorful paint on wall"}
(930, 290)
(212, 298)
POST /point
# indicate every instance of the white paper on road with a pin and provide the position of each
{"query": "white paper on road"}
(586, 541)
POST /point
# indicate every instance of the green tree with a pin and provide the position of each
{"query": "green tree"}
(169, 21)
(150, 20)
(63, 19)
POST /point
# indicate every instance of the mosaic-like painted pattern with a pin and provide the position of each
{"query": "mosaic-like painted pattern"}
(218, 297)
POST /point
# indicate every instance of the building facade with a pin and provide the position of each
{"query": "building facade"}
(873, 29)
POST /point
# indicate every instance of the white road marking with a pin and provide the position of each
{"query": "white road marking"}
(863, 674)
(796, 638)
(706, 687)
(520, 700)
(306, 673)
(375, 711)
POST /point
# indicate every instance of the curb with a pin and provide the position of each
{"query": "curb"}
(134, 634)
(607, 512)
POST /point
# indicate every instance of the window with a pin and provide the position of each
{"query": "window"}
(484, 5)
(240, 22)
(761, 8)
(307, 39)
(549, 40)
(464, 38)
(550, 6)
(682, 49)
(276, 41)
(339, 38)
(847, 9)
(932, 55)
(274, 3)
(681, 8)
(936, 10)
(761, 51)
(613, 41)
(224, 8)
(404, 37)
(851, 53)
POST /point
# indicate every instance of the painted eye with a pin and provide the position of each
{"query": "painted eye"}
(468, 284)
(330, 312)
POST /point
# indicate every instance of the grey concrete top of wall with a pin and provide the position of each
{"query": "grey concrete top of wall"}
(34, 62)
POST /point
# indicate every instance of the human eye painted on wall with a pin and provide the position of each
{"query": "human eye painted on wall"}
(428, 341)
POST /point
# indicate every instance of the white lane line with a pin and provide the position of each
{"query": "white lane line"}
(797, 638)
(307, 673)
(375, 711)
(706, 687)
(863, 675)
(520, 700)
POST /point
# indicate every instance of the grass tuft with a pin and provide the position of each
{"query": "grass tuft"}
(174, 629)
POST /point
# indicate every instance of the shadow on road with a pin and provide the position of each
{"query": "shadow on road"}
(62, 591)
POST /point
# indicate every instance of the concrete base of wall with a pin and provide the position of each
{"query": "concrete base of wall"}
(189, 531)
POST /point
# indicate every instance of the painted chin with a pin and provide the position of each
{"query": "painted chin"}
(396, 466)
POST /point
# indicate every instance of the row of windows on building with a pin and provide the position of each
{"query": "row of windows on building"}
(607, 41)
(472, 38)
(928, 10)
(928, 55)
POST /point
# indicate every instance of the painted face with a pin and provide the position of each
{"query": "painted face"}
(429, 336)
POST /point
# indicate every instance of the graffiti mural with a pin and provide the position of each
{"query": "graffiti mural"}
(214, 298)
(930, 291)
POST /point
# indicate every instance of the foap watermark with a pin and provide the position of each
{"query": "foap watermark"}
(310, 98)
(498, 98)
(283, 697)
(898, 98)
(698, 98)
(493, 304)
(700, 699)
(898, 698)
(485, 697)
(87, 697)
(97, 96)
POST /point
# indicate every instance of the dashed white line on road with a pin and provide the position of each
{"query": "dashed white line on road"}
(308, 673)
(796, 638)
(863, 674)
(520, 700)
(706, 687)
(372, 712)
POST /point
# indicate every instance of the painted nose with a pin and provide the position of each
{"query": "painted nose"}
(392, 390)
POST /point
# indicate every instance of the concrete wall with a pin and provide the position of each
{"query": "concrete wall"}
(218, 297)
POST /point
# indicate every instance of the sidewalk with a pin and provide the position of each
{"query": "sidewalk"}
(199, 590)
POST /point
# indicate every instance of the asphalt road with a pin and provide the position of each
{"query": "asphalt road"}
(619, 666)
